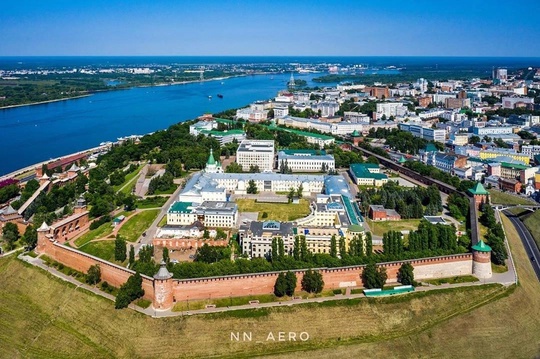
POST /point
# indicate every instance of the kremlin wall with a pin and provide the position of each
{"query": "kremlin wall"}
(164, 291)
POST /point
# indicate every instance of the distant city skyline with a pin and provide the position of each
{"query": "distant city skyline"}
(269, 28)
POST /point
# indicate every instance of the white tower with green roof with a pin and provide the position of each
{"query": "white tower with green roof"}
(481, 266)
(213, 166)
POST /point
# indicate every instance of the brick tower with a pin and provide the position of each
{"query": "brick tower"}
(479, 194)
(43, 238)
(163, 289)
(481, 267)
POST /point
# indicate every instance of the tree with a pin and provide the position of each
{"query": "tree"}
(406, 274)
(119, 249)
(129, 202)
(252, 187)
(342, 248)
(10, 233)
(333, 246)
(312, 282)
(254, 169)
(30, 236)
(233, 168)
(131, 255)
(374, 277)
(291, 279)
(291, 194)
(129, 291)
(296, 249)
(166, 257)
(280, 287)
(94, 274)
(369, 244)
(299, 191)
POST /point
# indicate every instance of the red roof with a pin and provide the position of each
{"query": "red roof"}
(66, 161)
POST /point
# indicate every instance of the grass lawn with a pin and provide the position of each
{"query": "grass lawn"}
(532, 222)
(169, 191)
(151, 202)
(136, 225)
(502, 323)
(378, 228)
(275, 211)
(102, 231)
(162, 221)
(101, 249)
(129, 178)
(452, 280)
(498, 197)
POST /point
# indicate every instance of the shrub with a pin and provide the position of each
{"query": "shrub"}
(337, 291)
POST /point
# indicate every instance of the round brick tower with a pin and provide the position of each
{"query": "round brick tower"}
(481, 267)
(163, 289)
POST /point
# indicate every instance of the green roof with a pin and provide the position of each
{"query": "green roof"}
(211, 160)
(515, 166)
(402, 160)
(355, 133)
(361, 170)
(181, 207)
(302, 133)
(216, 133)
(481, 247)
(224, 120)
(431, 148)
(356, 228)
(478, 189)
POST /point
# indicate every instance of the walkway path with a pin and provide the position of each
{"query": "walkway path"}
(38, 262)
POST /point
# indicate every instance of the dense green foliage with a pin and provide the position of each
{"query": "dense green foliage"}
(409, 203)
(94, 274)
(374, 276)
(402, 141)
(129, 291)
(211, 254)
(285, 284)
(312, 281)
(10, 232)
(161, 183)
(120, 249)
(8, 192)
(406, 274)
(495, 235)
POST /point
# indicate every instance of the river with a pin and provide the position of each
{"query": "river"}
(32, 134)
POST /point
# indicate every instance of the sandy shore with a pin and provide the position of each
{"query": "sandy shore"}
(44, 102)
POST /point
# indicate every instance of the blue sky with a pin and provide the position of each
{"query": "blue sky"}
(253, 27)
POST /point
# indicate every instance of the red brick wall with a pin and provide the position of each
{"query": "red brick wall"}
(263, 283)
(113, 274)
(223, 287)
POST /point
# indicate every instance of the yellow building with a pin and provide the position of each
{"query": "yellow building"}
(516, 156)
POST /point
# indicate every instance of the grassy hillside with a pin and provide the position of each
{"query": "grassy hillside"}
(42, 317)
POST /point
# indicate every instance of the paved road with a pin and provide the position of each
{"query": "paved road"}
(528, 242)
(151, 231)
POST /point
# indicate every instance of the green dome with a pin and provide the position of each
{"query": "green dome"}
(211, 160)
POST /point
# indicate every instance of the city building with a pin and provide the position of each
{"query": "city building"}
(379, 213)
(515, 102)
(492, 130)
(530, 150)
(306, 160)
(256, 153)
(367, 174)
(209, 213)
(388, 109)
(251, 114)
(256, 238)
(428, 133)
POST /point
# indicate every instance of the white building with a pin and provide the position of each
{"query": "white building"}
(530, 150)
(305, 160)
(256, 153)
(513, 102)
(492, 130)
(252, 115)
(339, 128)
(327, 108)
(390, 109)
(427, 133)
(209, 213)
(281, 112)
(356, 117)
(272, 182)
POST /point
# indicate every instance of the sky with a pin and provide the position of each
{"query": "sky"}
(270, 28)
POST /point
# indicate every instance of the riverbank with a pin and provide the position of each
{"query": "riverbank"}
(44, 102)
(130, 87)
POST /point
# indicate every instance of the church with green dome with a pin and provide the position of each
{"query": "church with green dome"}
(213, 166)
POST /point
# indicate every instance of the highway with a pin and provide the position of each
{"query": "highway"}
(528, 242)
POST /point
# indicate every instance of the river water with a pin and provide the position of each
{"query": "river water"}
(32, 134)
